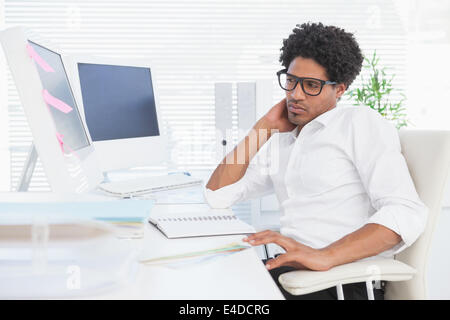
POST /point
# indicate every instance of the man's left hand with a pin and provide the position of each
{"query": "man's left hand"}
(297, 255)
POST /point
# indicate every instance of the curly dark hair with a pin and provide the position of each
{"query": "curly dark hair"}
(331, 47)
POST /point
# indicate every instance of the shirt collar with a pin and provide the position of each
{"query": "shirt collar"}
(294, 133)
(324, 119)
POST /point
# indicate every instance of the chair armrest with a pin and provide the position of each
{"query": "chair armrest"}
(307, 281)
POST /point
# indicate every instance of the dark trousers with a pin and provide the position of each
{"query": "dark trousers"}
(353, 291)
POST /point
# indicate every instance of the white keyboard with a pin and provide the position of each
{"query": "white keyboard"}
(146, 185)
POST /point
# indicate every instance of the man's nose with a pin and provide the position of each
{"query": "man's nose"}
(298, 93)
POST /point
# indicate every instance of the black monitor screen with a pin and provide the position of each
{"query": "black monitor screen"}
(119, 101)
(59, 98)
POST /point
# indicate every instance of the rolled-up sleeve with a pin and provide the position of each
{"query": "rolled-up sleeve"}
(256, 182)
(226, 196)
(385, 175)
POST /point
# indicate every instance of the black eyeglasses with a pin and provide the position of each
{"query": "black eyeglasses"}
(310, 86)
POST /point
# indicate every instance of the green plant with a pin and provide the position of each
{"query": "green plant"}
(376, 91)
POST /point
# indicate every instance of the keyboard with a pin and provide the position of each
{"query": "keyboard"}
(141, 186)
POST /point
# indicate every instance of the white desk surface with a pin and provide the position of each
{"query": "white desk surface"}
(240, 275)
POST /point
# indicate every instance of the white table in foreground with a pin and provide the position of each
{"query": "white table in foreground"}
(240, 275)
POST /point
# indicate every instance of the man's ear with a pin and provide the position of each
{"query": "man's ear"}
(340, 90)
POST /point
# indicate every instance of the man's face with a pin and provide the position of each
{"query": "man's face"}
(303, 108)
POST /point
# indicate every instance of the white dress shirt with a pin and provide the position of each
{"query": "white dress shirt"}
(342, 171)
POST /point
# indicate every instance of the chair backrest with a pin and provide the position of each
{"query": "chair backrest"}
(427, 154)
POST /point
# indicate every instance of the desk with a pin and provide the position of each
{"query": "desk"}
(237, 276)
(240, 275)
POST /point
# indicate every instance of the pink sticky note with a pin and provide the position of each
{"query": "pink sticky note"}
(63, 146)
(55, 102)
(38, 59)
(59, 136)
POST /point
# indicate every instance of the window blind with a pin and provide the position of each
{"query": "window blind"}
(194, 44)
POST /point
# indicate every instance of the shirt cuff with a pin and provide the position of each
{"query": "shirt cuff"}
(407, 222)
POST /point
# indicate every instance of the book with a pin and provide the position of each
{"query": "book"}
(196, 220)
(45, 258)
(127, 216)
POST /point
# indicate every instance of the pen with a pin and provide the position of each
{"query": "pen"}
(267, 252)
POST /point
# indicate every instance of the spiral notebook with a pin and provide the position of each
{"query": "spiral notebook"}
(194, 220)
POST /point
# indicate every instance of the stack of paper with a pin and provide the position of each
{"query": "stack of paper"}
(128, 216)
(196, 256)
(64, 259)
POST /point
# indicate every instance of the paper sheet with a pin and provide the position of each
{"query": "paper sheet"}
(197, 255)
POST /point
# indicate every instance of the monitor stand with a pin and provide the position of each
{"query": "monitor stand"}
(28, 169)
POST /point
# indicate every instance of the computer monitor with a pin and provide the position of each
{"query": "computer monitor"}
(59, 135)
(121, 110)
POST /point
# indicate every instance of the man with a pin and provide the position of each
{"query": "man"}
(343, 186)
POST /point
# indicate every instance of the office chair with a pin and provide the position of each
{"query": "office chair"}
(427, 154)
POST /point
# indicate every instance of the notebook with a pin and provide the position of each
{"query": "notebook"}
(196, 220)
